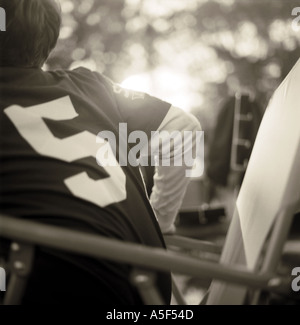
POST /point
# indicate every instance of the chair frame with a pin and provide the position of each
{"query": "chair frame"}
(28, 234)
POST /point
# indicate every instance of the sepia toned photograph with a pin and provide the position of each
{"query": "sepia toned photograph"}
(149, 155)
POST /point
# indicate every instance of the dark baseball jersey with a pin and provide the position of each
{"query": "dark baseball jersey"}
(49, 122)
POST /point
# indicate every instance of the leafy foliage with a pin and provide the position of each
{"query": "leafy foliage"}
(195, 53)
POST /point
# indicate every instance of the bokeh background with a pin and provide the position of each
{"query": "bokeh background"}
(193, 53)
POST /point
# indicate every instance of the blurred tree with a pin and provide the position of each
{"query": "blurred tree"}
(196, 53)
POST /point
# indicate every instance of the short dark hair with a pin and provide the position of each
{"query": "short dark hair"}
(32, 30)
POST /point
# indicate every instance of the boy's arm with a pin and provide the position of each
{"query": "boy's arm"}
(171, 182)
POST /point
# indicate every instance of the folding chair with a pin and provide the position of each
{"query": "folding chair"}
(269, 196)
(248, 265)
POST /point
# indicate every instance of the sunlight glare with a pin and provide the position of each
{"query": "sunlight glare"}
(163, 84)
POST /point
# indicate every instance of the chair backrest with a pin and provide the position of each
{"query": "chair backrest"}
(269, 195)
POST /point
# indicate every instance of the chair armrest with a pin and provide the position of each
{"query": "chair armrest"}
(130, 253)
(193, 244)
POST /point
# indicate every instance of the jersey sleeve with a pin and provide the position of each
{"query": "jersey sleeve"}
(171, 182)
(139, 110)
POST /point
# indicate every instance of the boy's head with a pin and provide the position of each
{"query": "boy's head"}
(32, 30)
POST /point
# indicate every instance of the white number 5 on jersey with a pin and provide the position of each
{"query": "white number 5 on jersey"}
(29, 123)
